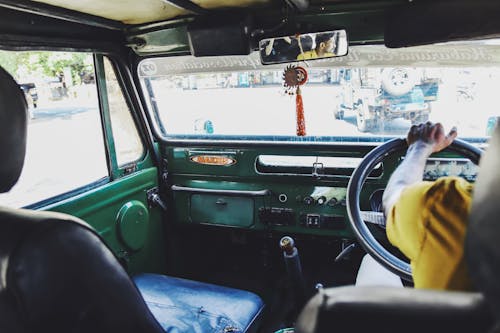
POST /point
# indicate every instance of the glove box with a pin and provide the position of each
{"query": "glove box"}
(222, 210)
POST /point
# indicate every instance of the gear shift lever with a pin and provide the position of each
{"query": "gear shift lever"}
(294, 269)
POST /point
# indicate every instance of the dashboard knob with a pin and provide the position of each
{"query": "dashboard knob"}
(332, 202)
(308, 200)
(321, 200)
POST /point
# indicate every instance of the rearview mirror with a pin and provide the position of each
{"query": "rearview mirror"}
(310, 46)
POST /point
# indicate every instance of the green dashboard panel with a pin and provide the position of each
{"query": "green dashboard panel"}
(296, 198)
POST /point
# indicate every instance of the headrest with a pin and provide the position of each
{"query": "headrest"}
(13, 126)
(483, 234)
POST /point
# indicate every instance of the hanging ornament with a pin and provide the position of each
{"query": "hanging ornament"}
(301, 121)
(294, 77)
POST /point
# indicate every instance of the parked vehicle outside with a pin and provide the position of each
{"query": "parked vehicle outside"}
(31, 94)
(384, 94)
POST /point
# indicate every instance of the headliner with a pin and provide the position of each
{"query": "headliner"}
(146, 11)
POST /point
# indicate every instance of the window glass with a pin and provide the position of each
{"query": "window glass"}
(65, 147)
(128, 143)
(369, 95)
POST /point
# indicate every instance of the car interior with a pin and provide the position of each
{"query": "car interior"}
(218, 166)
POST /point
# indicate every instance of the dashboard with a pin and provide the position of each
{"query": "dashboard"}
(285, 192)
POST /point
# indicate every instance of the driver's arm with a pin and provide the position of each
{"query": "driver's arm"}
(427, 220)
(423, 140)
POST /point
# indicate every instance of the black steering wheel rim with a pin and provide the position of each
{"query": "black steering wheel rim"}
(363, 234)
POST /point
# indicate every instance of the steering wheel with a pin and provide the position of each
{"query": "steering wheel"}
(358, 218)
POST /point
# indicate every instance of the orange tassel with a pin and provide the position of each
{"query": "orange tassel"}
(301, 121)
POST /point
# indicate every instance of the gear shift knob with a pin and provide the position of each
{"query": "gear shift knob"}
(287, 245)
(294, 269)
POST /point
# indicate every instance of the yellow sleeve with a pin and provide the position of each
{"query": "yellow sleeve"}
(428, 225)
(404, 224)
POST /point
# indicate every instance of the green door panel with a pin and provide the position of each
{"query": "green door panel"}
(119, 212)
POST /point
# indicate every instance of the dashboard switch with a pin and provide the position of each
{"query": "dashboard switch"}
(321, 200)
(308, 200)
(332, 222)
(313, 221)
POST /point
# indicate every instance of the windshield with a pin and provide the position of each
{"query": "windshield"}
(371, 94)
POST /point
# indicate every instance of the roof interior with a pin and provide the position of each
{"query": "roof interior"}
(145, 11)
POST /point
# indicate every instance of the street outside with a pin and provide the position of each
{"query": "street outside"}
(268, 111)
(59, 109)
(275, 116)
(66, 148)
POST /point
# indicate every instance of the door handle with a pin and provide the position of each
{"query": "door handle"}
(235, 193)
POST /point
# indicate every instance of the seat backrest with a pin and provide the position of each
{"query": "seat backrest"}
(56, 274)
(13, 118)
(482, 243)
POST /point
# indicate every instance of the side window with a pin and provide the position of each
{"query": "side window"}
(128, 144)
(65, 148)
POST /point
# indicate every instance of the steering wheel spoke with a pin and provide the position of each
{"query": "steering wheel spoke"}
(372, 217)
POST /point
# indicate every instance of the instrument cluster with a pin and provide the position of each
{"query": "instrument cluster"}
(441, 167)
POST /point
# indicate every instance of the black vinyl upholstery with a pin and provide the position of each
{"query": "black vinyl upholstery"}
(482, 242)
(58, 276)
(13, 118)
(389, 309)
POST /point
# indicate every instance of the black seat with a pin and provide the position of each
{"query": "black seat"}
(57, 275)
(382, 309)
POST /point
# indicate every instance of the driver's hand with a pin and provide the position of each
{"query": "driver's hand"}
(432, 135)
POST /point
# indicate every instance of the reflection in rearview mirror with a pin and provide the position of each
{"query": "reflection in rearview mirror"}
(309, 46)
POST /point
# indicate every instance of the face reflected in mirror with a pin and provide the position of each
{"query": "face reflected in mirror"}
(310, 46)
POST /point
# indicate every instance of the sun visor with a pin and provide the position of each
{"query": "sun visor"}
(217, 37)
(434, 22)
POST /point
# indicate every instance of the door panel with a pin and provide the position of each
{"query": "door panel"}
(100, 208)
(89, 153)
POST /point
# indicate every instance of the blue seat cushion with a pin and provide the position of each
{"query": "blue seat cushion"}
(187, 306)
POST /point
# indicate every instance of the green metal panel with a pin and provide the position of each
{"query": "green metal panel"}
(218, 209)
(133, 224)
(244, 176)
(100, 208)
